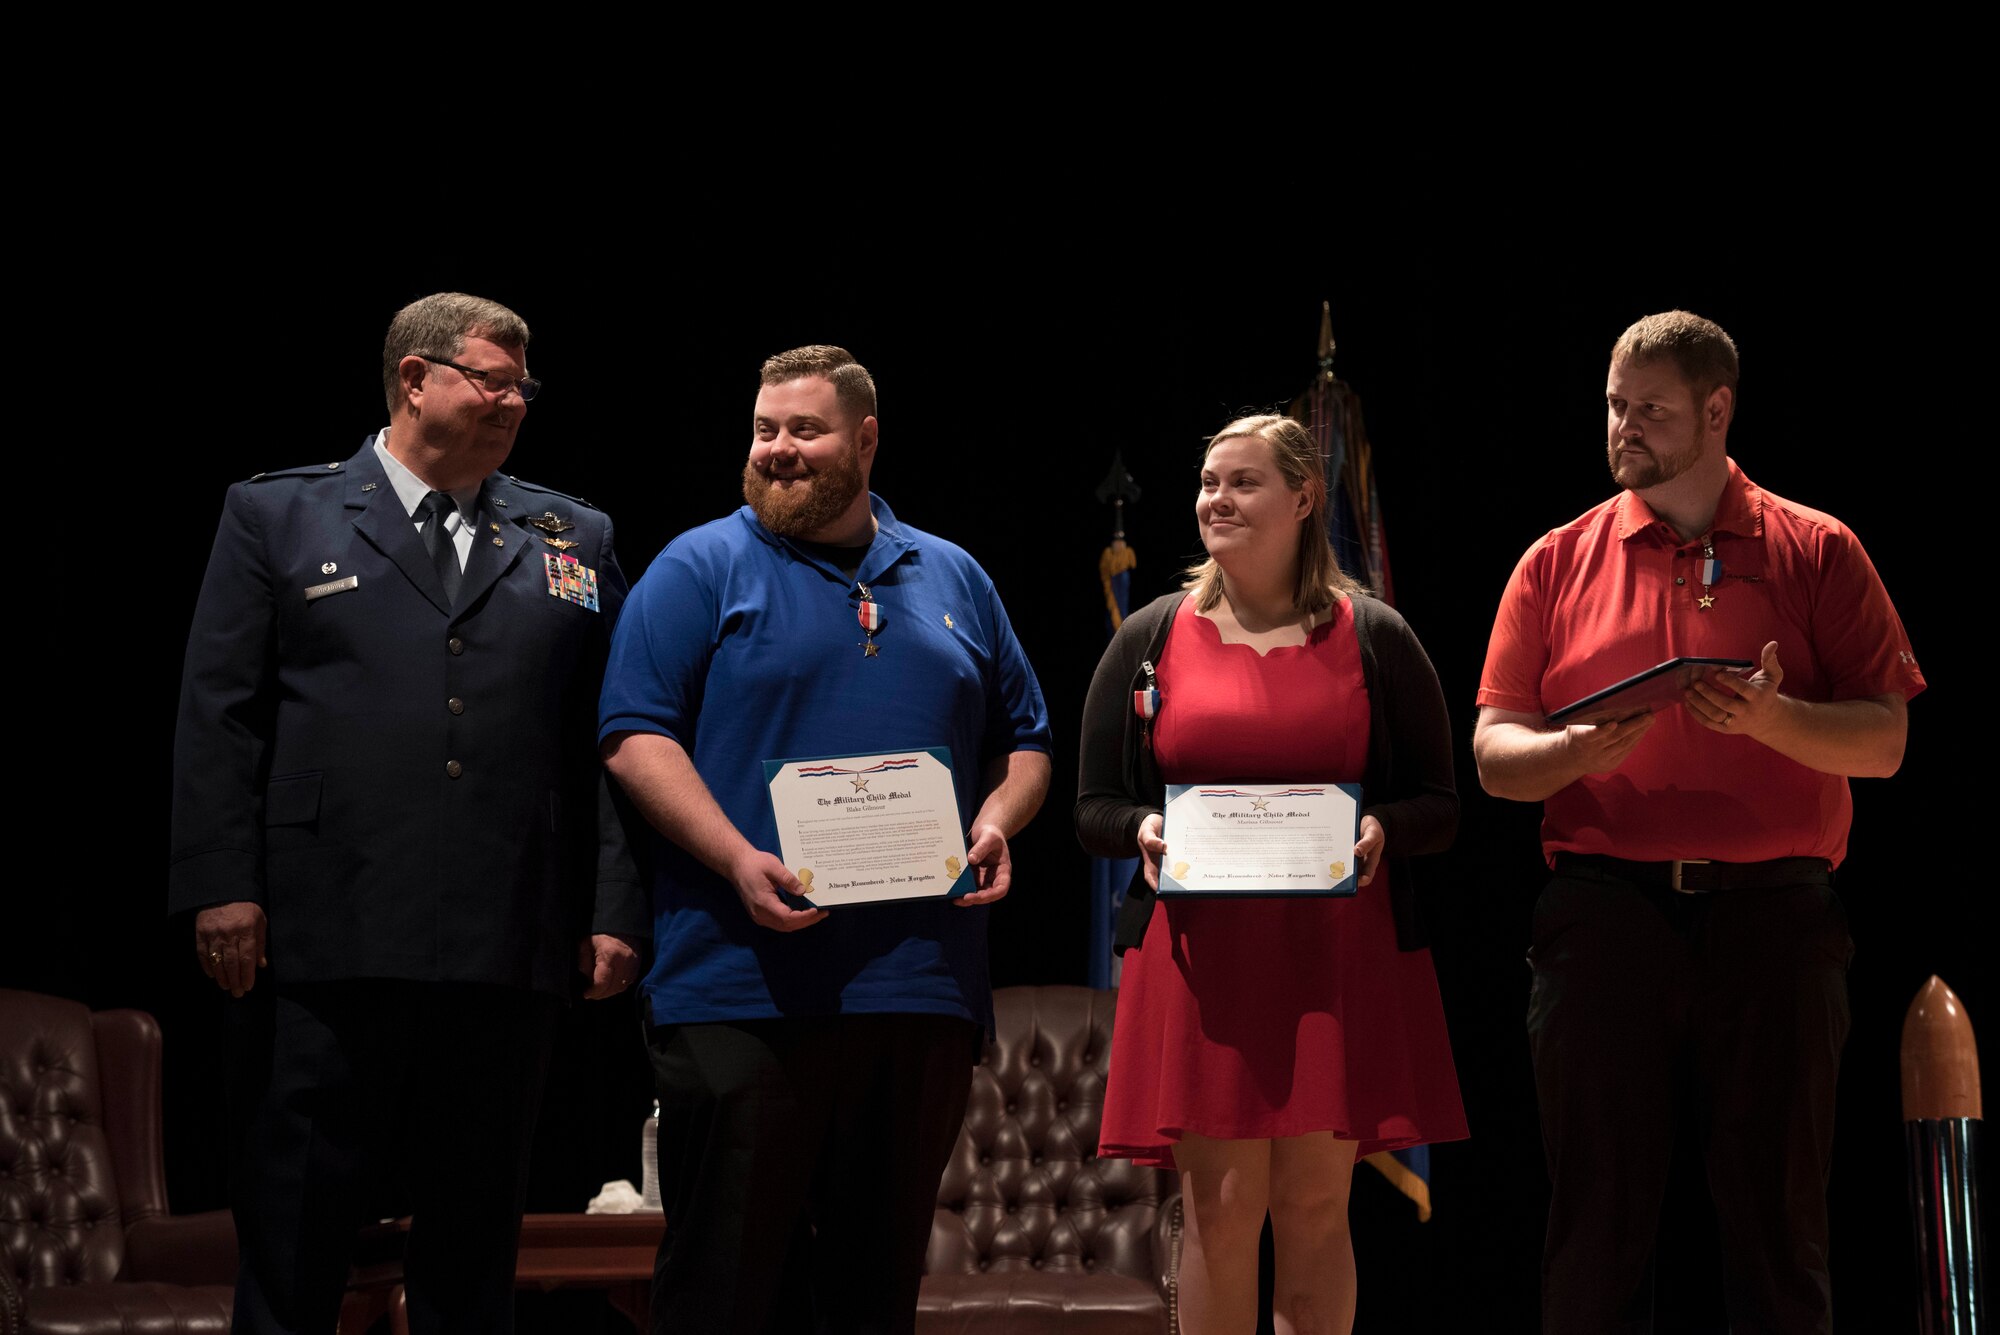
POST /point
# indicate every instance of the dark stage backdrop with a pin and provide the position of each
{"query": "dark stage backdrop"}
(1006, 384)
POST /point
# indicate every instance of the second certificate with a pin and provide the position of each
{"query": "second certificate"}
(858, 829)
(1260, 839)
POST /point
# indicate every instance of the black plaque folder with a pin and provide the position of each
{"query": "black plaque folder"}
(1659, 685)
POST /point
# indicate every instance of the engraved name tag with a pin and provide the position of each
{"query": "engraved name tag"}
(333, 586)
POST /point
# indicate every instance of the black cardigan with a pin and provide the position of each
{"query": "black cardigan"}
(1407, 786)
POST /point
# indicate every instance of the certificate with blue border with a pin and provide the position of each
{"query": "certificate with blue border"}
(1257, 840)
(871, 828)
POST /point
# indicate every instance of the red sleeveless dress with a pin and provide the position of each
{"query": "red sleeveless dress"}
(1263, 1018)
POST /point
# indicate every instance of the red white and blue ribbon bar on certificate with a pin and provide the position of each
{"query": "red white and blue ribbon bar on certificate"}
(864, 829)
(1260, 839)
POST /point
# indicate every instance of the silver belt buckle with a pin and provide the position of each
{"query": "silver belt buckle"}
(1679, 889)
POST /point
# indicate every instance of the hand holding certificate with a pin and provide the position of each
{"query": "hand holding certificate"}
(863, 829)
(1262, 840)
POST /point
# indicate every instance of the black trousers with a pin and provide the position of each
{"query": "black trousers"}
(343, 1089)
(1737, 999)
(799, 1166)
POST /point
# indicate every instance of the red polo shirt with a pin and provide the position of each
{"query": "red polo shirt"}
(1616, 591)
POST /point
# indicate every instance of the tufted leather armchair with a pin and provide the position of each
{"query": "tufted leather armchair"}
(1034, 1232)
(86, 1243)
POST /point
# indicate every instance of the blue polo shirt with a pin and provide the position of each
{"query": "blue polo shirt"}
(743, 648)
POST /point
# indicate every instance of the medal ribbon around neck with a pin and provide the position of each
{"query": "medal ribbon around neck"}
(1709, 573)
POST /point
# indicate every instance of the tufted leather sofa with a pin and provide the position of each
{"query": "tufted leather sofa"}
(1034, 1232)
(86, 1243)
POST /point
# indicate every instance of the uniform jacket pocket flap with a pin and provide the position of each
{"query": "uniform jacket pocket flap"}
(292, 801)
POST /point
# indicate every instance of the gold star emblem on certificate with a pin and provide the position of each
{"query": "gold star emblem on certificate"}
(860, 785)
(1260, 803)
(1339, 870)
(805, 880)
(951, 868)
(1180, 870)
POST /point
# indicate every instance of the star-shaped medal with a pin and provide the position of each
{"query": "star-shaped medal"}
(1707, 600)
(1260, 803)
(860, 785)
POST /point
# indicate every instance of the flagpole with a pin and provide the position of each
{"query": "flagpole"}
(1109, 877)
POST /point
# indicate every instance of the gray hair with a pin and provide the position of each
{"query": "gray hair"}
(437, 326)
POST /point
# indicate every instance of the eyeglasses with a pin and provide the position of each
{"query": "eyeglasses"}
(492, 382)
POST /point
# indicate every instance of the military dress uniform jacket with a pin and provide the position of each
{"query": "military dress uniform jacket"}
(410, 791)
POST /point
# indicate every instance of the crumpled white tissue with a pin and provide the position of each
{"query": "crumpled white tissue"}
(619, 1197)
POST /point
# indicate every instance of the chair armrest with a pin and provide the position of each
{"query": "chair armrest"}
(128, 1063)
(1167, 1256)
(181, 1249)
(12, 1320)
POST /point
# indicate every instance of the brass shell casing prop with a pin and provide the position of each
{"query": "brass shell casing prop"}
(1941, 1121)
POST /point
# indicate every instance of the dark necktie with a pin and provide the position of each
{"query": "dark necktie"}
(444, 552)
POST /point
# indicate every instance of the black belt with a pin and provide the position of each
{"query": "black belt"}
(1699, 876)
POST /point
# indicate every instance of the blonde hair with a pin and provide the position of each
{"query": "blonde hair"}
(1320, 581)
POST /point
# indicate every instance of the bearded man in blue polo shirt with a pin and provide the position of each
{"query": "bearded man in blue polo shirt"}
(813, 1067)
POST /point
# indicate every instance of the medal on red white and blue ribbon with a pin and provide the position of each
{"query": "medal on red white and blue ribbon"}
(1709, 573)
(869, 614)
(1146, 701)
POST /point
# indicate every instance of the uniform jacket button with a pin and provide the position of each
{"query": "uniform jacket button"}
(455, 644)
(453, 768)
(455, 705)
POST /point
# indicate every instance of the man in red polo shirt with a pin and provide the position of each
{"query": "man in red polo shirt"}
(1690, 932)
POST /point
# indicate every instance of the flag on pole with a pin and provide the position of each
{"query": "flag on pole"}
(1110, 876)
(1331, 410)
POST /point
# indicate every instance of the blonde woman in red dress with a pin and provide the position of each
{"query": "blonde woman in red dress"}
(1262, 1045)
